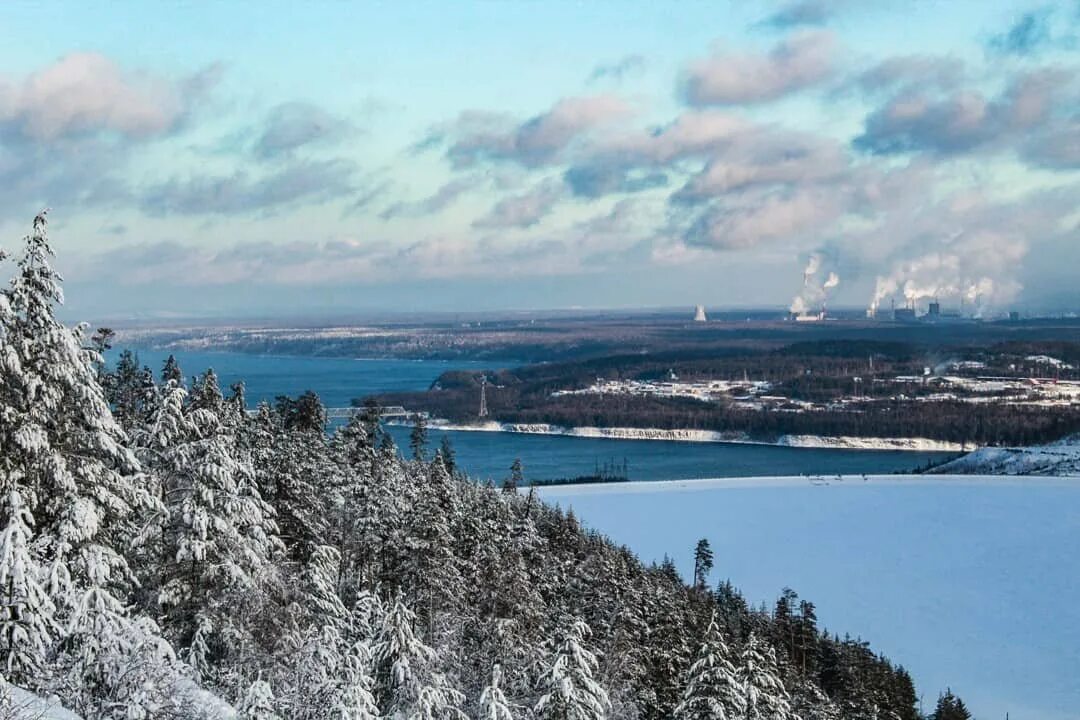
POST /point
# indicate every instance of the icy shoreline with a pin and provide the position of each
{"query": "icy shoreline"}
(626, 433)
(786, 481)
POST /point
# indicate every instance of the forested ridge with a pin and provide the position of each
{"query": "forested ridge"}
(162, 548)
(851, 381)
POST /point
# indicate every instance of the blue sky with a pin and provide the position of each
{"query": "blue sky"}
(268, 158)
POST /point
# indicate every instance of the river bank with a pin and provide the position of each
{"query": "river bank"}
(706, 436)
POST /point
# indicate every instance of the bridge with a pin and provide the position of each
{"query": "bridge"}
(389, 412)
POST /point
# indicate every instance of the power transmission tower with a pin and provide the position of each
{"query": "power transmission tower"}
(483, 397)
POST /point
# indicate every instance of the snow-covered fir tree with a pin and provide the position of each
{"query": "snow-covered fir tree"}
(764, 695)
(570, 690)
(259, 703)
(27, 615)
(493, 703)
(713, 689)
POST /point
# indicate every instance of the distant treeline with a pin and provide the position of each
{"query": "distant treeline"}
(819, 372)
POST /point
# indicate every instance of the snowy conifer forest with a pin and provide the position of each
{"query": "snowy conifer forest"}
(167, 553)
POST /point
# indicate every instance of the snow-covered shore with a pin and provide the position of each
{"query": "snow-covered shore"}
(1059, 458)
(554, 492)
(684, 435)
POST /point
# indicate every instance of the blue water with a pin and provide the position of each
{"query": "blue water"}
(489, 455)
(969, 586)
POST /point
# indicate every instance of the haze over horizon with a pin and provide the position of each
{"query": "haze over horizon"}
(483, 156)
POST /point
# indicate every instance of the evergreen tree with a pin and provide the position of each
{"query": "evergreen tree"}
(713, 690)
(950, 707)
(418, 438)
(449, 456)
(258, 703)
(516, 479)
(764, 694)
(493, 704)
(570, 691)
(703, 563)
(220, 535)
(409, 685)
(171, 372)
(27, 614)
(65, 465)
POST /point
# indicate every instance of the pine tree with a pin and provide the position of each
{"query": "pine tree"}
(703, 563)
(493, 704)
(65, 464)
(950, 707)
(713, 690)
(418, 438)
(570, 691)
(355, 700)
(27, 614)
(259, 703)
(171, 372)
(516, 479)
(408, 684)
(220, 536)
(446, 451)
(764, 694)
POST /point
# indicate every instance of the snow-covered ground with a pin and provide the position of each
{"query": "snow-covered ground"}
(682, 435)
(966, 580)
(1059, 458)
(22, 705)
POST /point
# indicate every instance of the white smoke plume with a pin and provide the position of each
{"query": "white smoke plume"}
(816, 286)
(971, 271)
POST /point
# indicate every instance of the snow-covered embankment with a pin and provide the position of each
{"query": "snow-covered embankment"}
(687, 435)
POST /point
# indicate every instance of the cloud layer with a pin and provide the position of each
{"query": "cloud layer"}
(933, 174)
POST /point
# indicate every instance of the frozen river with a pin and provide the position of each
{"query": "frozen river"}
(969, 582)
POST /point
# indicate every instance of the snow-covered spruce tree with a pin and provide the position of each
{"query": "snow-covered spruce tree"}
(713, 690)
(429, 566)
(764, 694)
(408, 683)
(295, 475)
(63, 461)
(218, 537)
(493, 703)
(569, 690)
(259, 703)
(325, 660)
(27, 614)
(354, 699)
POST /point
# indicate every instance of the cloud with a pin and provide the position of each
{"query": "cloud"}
(293, 125)
(367, 197)
(85, 93)
(68, 130)
(910, 73)
(801, 13)
(768, 157)
(747, 222)
(963, 120)
(1057, 148)
(803, 60)
(239, 193)
(525, 210)
(541, 140)
(1027, 36)
(442, 198)
(597, 180)
(619, 70)
(641, 160)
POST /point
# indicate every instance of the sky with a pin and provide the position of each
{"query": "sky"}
(273, 159)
